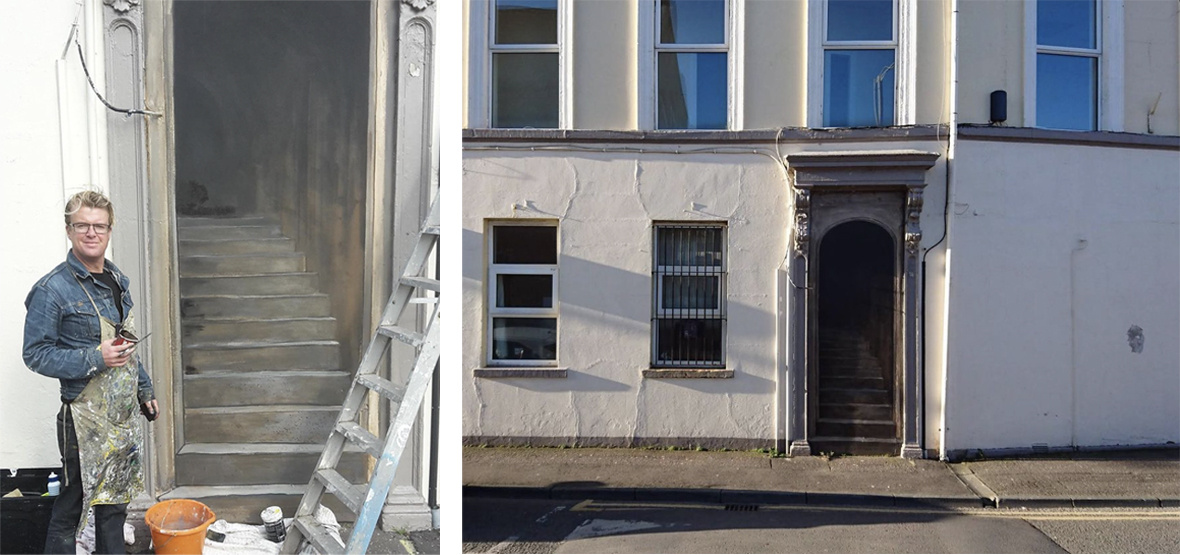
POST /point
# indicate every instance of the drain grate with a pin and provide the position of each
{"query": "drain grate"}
(741, 507)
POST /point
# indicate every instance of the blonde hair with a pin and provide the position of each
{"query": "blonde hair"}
(89, 199)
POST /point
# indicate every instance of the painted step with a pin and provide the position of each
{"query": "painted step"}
(258, 263)
(249, 464)
(849, 427)
(236, 246)
(216, 232)
(208, 330)
(867, 411)
(851, 382)
(260, 424)
(854, 446)
(183, 222)
(303, 355)
(282, 387)
(863, 396)
(255, 306)
(245, 503)
(256, 284)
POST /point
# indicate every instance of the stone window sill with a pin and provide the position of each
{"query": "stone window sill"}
(689, 373)
(520, 372)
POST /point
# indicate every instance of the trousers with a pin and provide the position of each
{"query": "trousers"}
(67, 508)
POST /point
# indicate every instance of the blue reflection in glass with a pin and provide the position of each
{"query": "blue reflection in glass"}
(692, 90)
(526, 21)
(860, 19)
(1067, 92)
(692, 21)
(1070, 23)
(858, 88)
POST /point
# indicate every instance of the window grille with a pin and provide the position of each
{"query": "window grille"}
(689, 296)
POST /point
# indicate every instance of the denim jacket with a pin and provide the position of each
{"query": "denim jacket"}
(62, 332)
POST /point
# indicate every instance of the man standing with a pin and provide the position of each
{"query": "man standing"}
(76, 316)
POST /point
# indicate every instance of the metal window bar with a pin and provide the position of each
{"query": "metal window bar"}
(689, 296)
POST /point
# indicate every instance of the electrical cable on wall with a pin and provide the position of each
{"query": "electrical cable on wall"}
(86, 70)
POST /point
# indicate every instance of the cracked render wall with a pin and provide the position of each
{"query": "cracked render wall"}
(605, 204)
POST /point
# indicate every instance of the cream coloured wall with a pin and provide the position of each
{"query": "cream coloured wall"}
(53, 147)
(604, 64)
(990, 57)
(933, 51)
(1056, 252)
(776, 81)
(1151, 50)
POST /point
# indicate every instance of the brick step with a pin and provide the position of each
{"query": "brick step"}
(303, 355)
(852, 382)
(855, 446)
(249, 284)
(228, 230)
(251, 464)
(260, 424)
(257, 263)
(255, 306)
(848, 427)
(245, 503)
(278, 387)
(186, 222)
(207, 330)
(858, 396)
(235, 246)
(866, 411)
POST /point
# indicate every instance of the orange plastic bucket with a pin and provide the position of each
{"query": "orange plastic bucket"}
(178, 525)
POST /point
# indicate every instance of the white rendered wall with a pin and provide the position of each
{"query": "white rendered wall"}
(605, 204)
(41, 124)
(1056, 252)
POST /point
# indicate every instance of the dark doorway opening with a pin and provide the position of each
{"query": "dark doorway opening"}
(856, 408)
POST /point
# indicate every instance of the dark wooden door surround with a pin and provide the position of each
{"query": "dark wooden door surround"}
(830, 189)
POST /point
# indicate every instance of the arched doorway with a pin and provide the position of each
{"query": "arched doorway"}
(856, 324)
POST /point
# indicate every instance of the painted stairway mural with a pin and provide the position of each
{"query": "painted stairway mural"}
(263, 381)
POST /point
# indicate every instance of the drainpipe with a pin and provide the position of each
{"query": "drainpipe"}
(952, 148)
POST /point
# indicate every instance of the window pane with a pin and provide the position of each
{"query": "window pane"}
(527, 291)
(689, 246)
(692, 93)
(524, 338)
(692, 21)
(860, 19)
(526, 21)
(700, 292)
(524, 244)
(524, 90)
(689, 342)
(1067, 23)
(1067, 92)
(858, 88)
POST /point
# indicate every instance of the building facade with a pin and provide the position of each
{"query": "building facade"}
(270, 164)
(925, 229)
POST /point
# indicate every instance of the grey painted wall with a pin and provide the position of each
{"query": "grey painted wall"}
(271, 118)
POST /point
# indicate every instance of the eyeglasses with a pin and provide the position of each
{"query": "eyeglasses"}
(100, 229)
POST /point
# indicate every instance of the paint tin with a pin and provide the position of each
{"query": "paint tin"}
(272, 518)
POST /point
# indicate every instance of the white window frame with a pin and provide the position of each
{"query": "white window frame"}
(1109, 27)
(660, 313)
(492, 311)
(905, 23)
(648, 31)
(479, 70)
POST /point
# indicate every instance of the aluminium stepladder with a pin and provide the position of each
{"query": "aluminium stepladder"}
(366, 500)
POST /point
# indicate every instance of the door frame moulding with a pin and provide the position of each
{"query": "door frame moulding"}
(845, 172)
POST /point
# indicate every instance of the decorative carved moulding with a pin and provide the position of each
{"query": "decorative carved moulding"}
(418, 5)
(913, 229)
(855, 170)
(802, 231)
(122, 6)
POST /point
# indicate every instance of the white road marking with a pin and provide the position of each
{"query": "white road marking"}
(500, 547)
(546, 516)
(596, 527)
